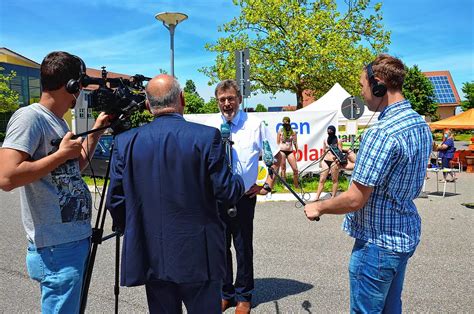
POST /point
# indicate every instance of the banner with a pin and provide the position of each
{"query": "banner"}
(310, 126)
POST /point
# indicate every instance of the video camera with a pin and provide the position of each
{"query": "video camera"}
(117, 96)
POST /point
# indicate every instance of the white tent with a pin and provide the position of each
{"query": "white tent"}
(332, 100)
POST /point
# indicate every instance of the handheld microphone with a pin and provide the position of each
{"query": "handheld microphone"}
(267, 154)
(225, 131)
(269, 161)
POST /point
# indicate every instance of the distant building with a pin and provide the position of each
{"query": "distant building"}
(447, 96)
(26, 82)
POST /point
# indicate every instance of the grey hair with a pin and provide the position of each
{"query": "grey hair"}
(228, 84)
(170, 99)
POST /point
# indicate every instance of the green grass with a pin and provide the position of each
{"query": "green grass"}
(90, 181)
(310, 185)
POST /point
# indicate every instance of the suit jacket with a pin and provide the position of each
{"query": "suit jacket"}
(166, 180)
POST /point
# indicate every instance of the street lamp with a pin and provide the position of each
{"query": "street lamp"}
(170, 20)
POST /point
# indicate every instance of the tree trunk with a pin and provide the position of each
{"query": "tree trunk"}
(299, 99)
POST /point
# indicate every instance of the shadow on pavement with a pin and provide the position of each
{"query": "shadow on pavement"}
(273, 289)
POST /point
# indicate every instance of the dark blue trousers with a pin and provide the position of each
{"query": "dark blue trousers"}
(200, 297)
(239, 231)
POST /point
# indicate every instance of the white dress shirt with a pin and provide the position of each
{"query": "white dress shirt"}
(248, 133)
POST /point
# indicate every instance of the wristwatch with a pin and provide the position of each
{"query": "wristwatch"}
(267, 187)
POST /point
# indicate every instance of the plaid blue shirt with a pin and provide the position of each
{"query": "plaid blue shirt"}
(393, 157)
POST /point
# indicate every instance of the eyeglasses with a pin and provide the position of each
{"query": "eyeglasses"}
(228, 98)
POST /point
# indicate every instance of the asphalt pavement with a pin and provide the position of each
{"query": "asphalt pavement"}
(300, 266)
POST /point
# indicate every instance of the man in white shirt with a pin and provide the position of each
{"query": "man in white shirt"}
(247, 134)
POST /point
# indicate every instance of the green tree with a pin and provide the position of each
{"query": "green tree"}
(468, 90)
(190, 87)
(260, 108)
(9, 99)
(140, 118)
(211, 106)
(194, 103)
(298, 45)
(419, 90)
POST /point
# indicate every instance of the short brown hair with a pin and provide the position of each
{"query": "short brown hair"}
(58, 68)
(227, 84)
(389, 69)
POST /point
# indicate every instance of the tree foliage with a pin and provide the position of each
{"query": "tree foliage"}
(260, 108)
(468, 90)
(419, 90)
(195, 103)
(190, 87)
(140, 118)
(298, 45)
(9, 99)
(211, 106)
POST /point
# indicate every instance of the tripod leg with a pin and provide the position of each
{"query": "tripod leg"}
(96, 240)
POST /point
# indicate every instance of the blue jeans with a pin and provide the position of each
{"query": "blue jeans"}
(60, 270)
(376, 278)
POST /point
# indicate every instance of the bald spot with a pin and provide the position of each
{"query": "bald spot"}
(159, 85)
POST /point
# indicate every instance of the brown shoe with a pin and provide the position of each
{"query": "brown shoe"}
(243, 308)
(225, 304)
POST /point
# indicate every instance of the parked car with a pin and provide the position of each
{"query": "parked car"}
(100, 159)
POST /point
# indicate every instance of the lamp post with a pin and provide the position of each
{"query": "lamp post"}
(170, 21)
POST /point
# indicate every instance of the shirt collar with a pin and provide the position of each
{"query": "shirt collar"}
(396, 106)
(234, 121)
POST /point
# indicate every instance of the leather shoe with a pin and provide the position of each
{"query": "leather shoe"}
(243, 308)
(225, 304)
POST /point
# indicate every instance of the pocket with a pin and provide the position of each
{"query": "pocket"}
(35, 265)
(388, 265)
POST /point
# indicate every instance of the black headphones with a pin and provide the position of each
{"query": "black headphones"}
(378, 89)
(73, 85)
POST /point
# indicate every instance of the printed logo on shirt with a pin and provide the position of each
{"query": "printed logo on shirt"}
(75, 200)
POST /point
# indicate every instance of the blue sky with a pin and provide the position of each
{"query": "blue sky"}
(124, 35)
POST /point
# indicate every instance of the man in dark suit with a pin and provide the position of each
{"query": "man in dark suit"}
(166, 180)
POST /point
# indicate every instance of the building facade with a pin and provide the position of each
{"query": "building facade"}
(26, 81)
(446, 93)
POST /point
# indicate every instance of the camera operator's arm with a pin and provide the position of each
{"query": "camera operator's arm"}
(17, 168)
(350, 201)
(92, 139)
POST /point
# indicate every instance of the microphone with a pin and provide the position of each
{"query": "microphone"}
(267, 154)
(225, 131)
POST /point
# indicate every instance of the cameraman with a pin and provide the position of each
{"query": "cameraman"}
(166, 178)
(55, 201)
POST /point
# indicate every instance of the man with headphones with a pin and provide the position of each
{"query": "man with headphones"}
(387, 177)
(55, 202)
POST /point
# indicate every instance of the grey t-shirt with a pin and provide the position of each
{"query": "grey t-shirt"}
(55, 209)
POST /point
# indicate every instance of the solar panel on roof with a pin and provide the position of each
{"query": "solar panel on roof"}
(443, 91)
